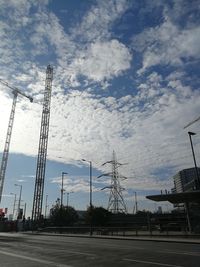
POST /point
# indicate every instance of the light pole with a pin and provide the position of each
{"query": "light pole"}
(14, 203)
(24, 210)
(136, 204)
(195, 164)
(62, 190)
(68, 193)
(19, 202)
(90, 162)
(45, 213)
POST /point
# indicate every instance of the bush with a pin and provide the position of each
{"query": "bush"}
(63, 216)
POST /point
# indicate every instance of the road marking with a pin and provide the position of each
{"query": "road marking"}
(155, 263)
(61, 250)
(34, 259)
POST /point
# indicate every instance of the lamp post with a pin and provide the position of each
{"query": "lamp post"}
(14, 203)
(24, 210)
(195, 164)
(62, 190)
(19, 202)
(90, 162)
(136, 204)
(68, 193)
(45, 213)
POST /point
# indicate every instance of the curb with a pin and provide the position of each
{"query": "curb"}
(169, 240)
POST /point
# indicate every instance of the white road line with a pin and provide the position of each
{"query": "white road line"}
(33, 259)
(155, 263)
(59, 250)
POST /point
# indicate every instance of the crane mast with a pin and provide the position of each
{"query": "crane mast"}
(42, 150)
(4, 161)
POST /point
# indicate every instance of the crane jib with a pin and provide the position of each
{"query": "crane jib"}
(16, 91)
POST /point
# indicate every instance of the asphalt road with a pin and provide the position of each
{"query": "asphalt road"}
(35, 250)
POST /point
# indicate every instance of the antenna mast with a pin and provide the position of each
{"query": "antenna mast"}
(42, 150)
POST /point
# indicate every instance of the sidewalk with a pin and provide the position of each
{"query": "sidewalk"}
(189, 240)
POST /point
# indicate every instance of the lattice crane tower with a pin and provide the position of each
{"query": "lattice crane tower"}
(4, 161)
(42, 150)
(116, 202)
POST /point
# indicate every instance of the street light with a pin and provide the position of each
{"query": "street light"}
(62, 190)
(195, 164)
(90, 162)
(24, 211)
(14, 203)
(68, 193)
(45, 213)
(136, 203)
(19, 202)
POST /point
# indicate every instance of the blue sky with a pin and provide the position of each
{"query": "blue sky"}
(125, 79)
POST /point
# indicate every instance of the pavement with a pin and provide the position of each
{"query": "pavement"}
(194, 239)
(61, 250)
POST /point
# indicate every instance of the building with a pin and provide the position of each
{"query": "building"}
(186, 180)
(185, 195)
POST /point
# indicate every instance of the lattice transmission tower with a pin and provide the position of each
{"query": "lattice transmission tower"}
(42, 150)
(116, 202)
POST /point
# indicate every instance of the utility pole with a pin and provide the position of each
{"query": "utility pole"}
(4, 161)
(42, 150)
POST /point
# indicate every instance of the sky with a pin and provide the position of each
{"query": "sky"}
(126, 79)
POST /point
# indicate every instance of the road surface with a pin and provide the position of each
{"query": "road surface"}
(41, 250)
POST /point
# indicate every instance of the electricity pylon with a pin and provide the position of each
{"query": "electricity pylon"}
(42, 150)
(4, 161)
(116, 202)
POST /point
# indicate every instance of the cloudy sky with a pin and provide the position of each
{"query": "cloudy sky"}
(125, 79)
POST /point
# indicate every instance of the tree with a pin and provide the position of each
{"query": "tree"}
(63, 216)
(98, 215)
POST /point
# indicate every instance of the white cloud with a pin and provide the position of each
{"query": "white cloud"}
(145, 129)
(167, 44)
(75, 184)
(103, 60)
(96, 24)
(41, 34)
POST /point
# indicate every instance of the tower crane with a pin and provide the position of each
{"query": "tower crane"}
(42, 150)
(4, 161)
(192, 122)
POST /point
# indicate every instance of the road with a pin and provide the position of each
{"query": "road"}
(61, 251)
